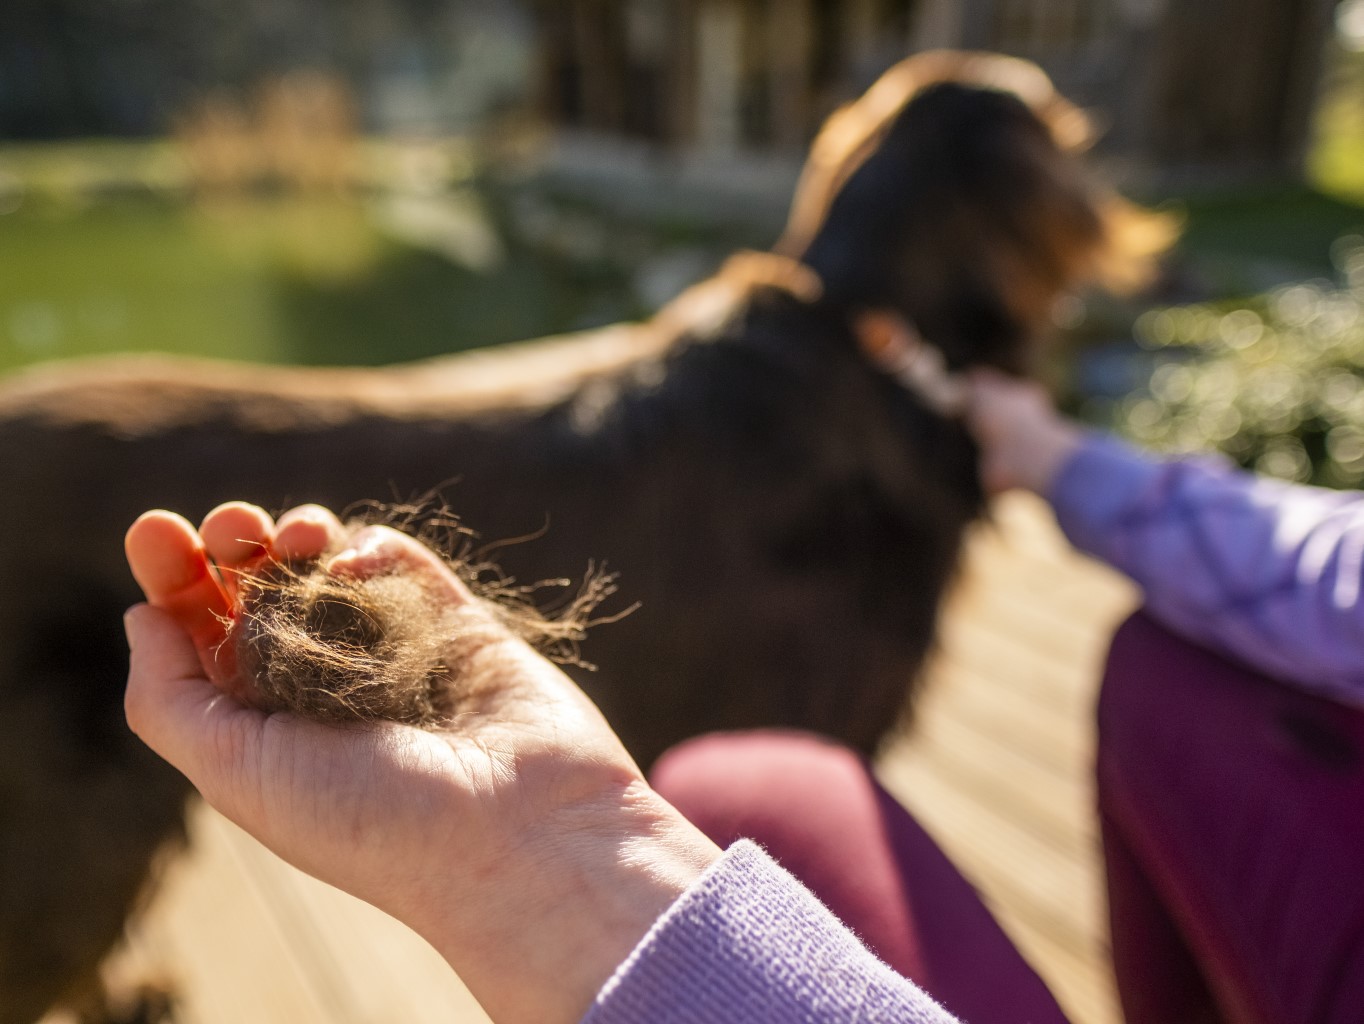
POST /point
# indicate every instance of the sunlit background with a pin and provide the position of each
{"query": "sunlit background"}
(365, 181)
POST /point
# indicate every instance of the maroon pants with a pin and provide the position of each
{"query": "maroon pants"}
(815, 807)
(1233, 822)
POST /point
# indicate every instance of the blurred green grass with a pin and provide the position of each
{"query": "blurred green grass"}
(109, 246)
(284, 278)
(1251, 234)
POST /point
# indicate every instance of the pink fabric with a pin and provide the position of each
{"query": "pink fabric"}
(818, 811)
(1233, 815)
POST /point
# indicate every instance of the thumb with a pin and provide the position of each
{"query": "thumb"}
(175, 709)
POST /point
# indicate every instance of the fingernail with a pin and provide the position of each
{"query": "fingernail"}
(338, 561)
(351, 553)
(128, 627)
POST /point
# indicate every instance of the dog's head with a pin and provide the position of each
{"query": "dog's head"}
(952, 193)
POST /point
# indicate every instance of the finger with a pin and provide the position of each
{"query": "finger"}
(238, 537)
(170, 564)
(173, 707)
(373, 550)
(306, 532)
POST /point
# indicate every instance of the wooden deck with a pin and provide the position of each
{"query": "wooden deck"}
(997, 770)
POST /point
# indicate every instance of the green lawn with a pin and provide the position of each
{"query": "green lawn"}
(290, 279)
(1290, 230)
(104, 247)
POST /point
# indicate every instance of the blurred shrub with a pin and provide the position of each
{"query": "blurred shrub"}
(1276, 382)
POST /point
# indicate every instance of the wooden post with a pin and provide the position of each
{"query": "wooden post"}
(860, 40)
(789, 41)
(684, 68)
(1303, 90)
(599, 42)
(649, 29)
(937, 25)
(719, 56)
(1232, 82)
(554, 66)
(977, 25)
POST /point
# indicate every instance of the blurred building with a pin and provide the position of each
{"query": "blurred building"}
(1218, 89)
(71, 68)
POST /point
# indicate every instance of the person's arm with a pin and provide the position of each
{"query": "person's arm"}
(518, 837)
(1266, 572)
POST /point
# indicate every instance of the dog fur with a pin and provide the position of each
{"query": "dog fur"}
(786, 516)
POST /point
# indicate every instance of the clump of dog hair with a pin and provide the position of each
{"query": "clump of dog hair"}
(337, 648)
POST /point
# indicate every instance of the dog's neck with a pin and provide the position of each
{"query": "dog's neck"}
(895, 346)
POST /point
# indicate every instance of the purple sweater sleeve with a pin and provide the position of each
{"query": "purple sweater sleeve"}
(1266, 572)
(749, 943)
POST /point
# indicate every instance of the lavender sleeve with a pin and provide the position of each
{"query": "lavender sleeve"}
(1266, 572)
(749, 943)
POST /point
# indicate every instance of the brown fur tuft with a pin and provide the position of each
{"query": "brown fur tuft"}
(340, 649)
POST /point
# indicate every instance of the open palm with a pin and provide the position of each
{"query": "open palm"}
(487, 821)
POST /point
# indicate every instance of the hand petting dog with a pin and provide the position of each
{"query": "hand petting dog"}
(1023, 441)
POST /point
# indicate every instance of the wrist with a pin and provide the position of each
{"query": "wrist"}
(537, 937)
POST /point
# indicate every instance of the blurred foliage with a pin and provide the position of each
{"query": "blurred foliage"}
(1276, 382)
(1270, 371)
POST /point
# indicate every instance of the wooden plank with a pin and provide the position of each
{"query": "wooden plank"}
(1057, 808)
(1082, 985)
(375, 969)
(991, 636)
(216, 939)
(1057, 606)
(998, 701)
(1053, 907)
(242, 936)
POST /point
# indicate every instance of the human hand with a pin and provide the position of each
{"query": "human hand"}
(520, 839)
(1023, 441)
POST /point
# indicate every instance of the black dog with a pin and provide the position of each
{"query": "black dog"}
(786, 515)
